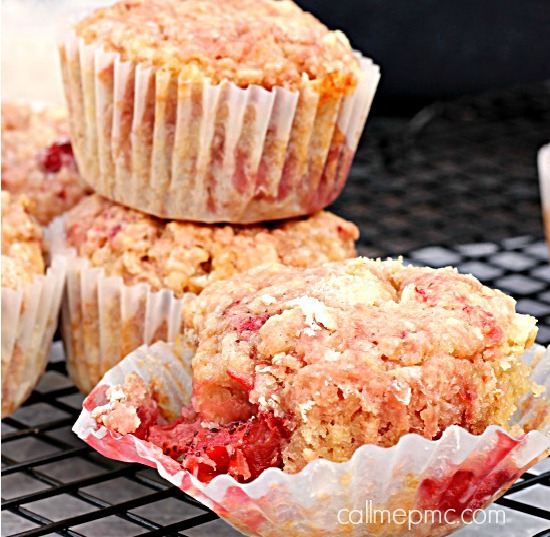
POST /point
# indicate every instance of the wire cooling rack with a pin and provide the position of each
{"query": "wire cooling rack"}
(53, 484)
(461, 174)
(463, 171)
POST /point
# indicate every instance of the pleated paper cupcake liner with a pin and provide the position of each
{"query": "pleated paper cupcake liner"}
(103, 319)
(191, 150)
(29, 320)
(544, 181)
(417, 487)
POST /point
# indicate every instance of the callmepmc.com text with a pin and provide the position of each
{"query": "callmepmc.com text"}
(416, 517)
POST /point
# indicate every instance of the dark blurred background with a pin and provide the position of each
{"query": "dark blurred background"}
(439, 49)
(449, 152)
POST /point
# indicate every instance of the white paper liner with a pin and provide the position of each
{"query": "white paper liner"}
(29, 320)
(212, 153)
(544, 181)
(103, 319)
(459, 471)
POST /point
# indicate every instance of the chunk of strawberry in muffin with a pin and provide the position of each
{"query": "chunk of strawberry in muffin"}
(242, 450)
(57, 155)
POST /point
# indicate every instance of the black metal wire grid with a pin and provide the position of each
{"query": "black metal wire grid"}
(463, 171)
(53, 484)
(458, 173)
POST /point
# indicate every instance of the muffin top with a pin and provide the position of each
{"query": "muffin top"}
(356, 352)
(37, 159)
(380, 313)
(264, 42)
(22, 242)
(187, 257)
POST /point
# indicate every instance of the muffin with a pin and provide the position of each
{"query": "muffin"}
(237, 111)
(131, 273)
(357, 352)
(30, 302)
(37, 159)
(361, 351)
(23, 245)
(293, 364)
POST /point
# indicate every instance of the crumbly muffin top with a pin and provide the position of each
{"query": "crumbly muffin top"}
(37, 158)
(22, 242)
(405, 312)
(187, 257)
(357, 352)
(265, 42)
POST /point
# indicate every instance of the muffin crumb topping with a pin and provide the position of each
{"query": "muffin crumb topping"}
(23, 245)
(265, 42)
(187, 257)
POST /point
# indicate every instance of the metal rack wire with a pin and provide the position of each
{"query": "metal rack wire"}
(463, 171)
(460, 174)
(55, 484)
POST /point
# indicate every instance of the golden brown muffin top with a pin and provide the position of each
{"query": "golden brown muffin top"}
(272, 324)
(187, 257)
(401, 313)
(22, 242)
(264, 42)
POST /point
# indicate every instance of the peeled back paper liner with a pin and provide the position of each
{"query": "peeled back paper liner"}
(103, 319)
(453, 476)
(29, 320)
(191, 150)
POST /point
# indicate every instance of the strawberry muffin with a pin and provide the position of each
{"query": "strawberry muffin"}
(293, 365)
(357, 352)
(37, 159)
(187, 257)
(127, 415)
(237, 111)
(30, 301)
(133, 272)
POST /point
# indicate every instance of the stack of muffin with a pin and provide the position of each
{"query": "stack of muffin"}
(213, 133)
